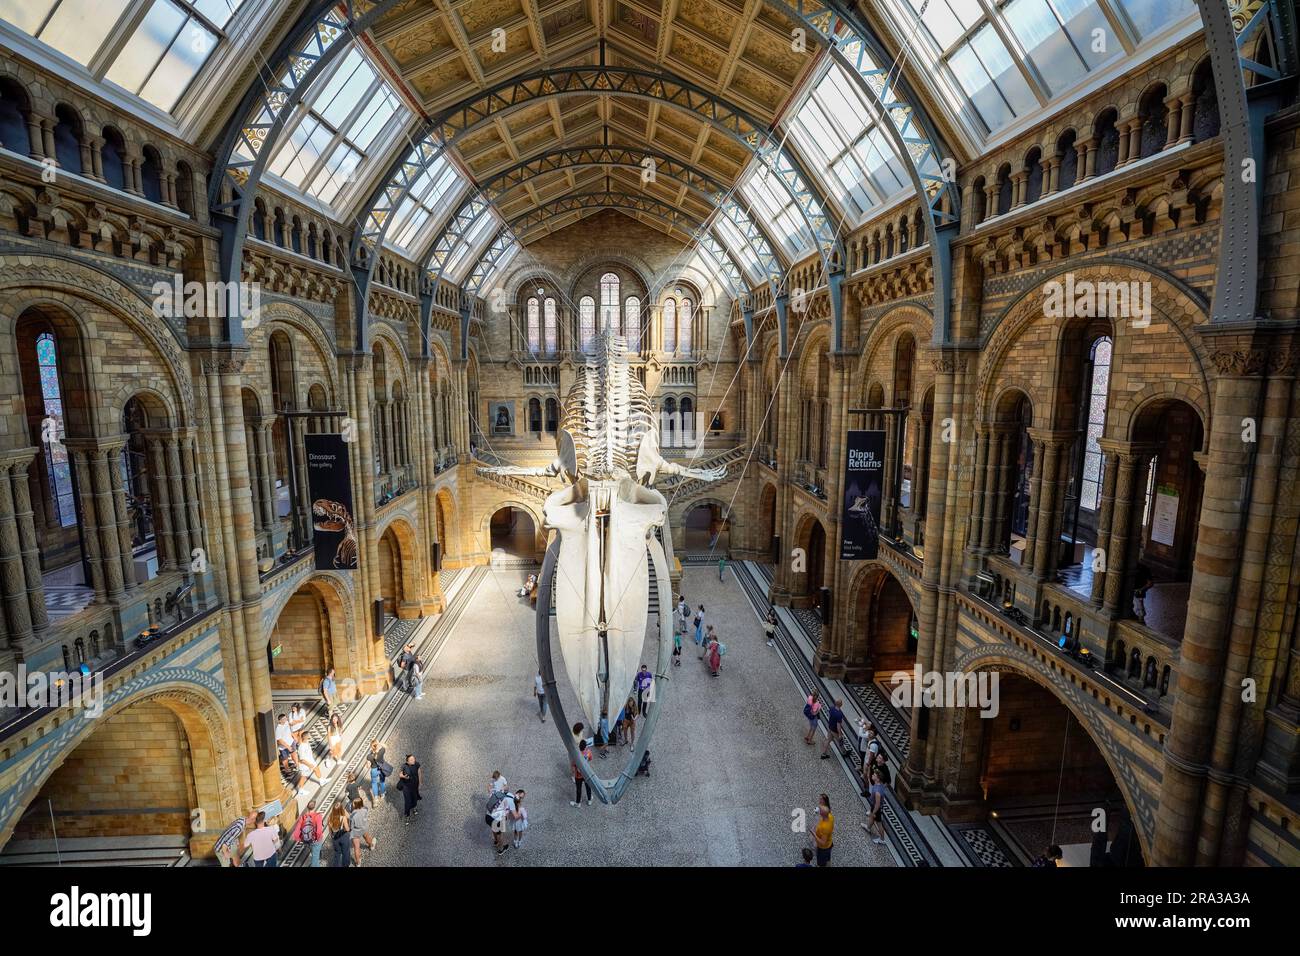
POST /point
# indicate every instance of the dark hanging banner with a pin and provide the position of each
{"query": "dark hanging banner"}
(864, 479)
(329, 480)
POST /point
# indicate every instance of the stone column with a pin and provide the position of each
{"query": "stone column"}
(1186, 117)
(175, 479)
(110, 547)
(266, 466)
(35, 138)
(97, 159)
(1174, 108)
(1046, 542)
(163, 532)
(1105, 515)
(1018, 184)
(1087, 158)
(190, 454)
(13, 575)
(975, 537)
(992, 487)
(1123, 158)
(84, 482)
(27, 535)
(1006, 484)
(113, 455)
(1117, 551)
(47, 138)
(1035, 498)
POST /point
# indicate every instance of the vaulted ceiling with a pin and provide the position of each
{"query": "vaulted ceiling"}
(740, 50)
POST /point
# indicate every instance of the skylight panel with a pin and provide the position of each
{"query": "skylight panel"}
(1152, 16)
(777, 207)
(422, 207)
(473, 244)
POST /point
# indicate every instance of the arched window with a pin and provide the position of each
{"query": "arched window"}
(587, 323)
(67, 138)
(632, 324)
(135, 473)
(534, 326)
(151, 175)
(688, 422)
(609, 302)
(550, 326)
(111, 155)
(669, 422)
(670, 325)
(56, 453)
(1093, 460)
(684, 330)
(13, 118)
(534, 415)
(552, 415)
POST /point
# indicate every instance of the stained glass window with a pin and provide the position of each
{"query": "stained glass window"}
(58, 470)
(684, 330)
(551, 326)
(670, 325)
(609, 302)
(1094, 464)
(534, 326)
(587, 323)
(632, 324)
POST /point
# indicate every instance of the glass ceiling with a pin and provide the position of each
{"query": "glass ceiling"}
(774, 205)
(327, 145)
(432, 198)
(996, 61)
(151, 48)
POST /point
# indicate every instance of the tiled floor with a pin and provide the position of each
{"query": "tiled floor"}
(731, 774)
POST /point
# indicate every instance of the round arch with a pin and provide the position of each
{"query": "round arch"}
(881, 632)
(399, 578)
(501, 530)
(810, 537)
(312, 629)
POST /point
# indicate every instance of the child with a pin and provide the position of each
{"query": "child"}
(520, 817)
(677, 648)
(629, 721)
(602, 734)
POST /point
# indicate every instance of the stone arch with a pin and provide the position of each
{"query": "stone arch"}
(810, 535)
(767, 525)
(1141, 804)
(446, 524)
(399, 569)
(722, 523)
(530, 509)
(316, 644)
(881, 612)
(211, 783)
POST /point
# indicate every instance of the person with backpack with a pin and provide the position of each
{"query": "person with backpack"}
(835, 728)
(498, 815)
(643, 681)
(404, 667)
(811, 708)
(699, 630)
(769, 628)
(417, 679)
(714, 653)
(579, 781)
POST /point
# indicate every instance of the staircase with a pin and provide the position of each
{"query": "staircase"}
(735, 460)
(654, 588)
(98, 851)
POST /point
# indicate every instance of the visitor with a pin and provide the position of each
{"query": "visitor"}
(308, 766)
(807, 855)
(602, 733)
(519, 819)
(227, 847)
(876, 805)
(881, 767)
(404, 667)
(297, 718)
(769, 628)
(284, 741)
(539, 691)
(677, 646)
(499, 816)
(629, 722)
(329, 690)
(380, 770)
(264, 840)
(409, 780)
(834, 731)
(1050, 859)
(714, 653)
(699, 630)
(643, 681)
(824, 832)
(527, 587)
(359, 824)
(310, 830)
(355, 789)
(335, 741)
(497, 784)
(722, 566)
(341, 831)
(811, 708)
(683, 611)
(579, 781)
(417, 679)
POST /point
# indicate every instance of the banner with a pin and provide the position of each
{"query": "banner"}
(329, 480)
(864, 479)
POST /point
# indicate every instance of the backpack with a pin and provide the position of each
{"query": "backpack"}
(807, 710)
(308, 832)
(722, 649)
(495, 800)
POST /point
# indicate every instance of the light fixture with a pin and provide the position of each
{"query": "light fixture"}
(541, 291)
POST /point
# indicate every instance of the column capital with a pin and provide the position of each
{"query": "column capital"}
(18, 457)
(1128, 449)
(1053, 437)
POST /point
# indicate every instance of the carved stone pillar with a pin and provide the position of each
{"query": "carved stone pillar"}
(113, 456)
(110, 542)
(27, 535)
(163, 532)
(84, 481)
(992, 487)
(1045, 542)
(266, 469)
(1035, 498)
(1117, 551)
(13, 576)
(1105, 515)
(1186, 117)
(47, 138)
(1087, 158)
(175, 480)
(974, 537)
(97, 159)
(35, 138)
(1006, 482)
(1174, 109)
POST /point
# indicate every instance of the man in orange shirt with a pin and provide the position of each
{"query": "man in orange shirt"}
(824, 832)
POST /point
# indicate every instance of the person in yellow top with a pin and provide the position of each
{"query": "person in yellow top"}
(824, 832)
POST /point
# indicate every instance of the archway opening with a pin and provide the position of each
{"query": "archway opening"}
(513, 534)
(884, 634)
(1039, 778)
(299, 650)
(390, 573)
(706, 532)
(806, 591)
